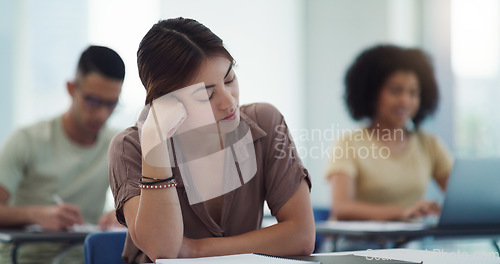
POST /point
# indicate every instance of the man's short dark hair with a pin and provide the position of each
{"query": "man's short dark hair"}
(101, 60)
(367, 74)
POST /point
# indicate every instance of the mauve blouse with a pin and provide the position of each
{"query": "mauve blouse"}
(279, 174)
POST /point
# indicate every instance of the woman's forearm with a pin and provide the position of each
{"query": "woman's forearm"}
(282, 239)
(294, 234)
(158, 225)
(346, 207)
(354, 210)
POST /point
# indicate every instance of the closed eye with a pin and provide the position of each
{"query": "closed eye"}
(232, 79)
(209, 97)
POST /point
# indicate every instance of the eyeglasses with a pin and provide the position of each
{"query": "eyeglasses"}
(93, 102)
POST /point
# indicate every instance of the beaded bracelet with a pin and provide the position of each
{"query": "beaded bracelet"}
(142, 186)
(149, 178)
(156, 180)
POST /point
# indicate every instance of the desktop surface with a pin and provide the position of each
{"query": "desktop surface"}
(350, 259)
(20, 235)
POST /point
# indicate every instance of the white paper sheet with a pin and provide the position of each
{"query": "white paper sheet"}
(231, 259)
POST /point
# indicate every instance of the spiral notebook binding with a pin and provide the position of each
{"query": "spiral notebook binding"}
(284, 258)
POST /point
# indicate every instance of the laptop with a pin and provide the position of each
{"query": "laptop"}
(472, 198)
(472, 202)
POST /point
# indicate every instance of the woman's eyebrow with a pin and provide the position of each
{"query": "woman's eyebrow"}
(213, 85)
(228, 70)
(203, 88)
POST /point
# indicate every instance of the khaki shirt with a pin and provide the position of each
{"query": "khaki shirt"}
(41, 160)
(386, 178)
(279, 174)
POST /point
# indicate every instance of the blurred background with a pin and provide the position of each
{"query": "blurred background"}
(291, 53)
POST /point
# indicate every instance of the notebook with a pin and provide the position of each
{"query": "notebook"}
(239, 258)
(265, 259)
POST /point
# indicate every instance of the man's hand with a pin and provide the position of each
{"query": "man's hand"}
(57, 217)
(108, 221)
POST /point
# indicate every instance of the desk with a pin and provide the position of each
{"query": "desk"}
(428, 257)
(19, 237)
(402, 234)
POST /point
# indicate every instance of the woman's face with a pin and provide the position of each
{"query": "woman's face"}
(211, 97)
(399, 99)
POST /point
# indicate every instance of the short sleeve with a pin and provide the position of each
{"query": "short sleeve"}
(14, 159)
(341, 159)
(283, 169)
(442, 161)
(124, 157)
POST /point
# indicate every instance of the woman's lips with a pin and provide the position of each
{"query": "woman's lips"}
(231, 116)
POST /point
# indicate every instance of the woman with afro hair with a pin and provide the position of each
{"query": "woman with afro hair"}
(381, 172)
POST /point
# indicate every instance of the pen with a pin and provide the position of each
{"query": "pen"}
(57, 199)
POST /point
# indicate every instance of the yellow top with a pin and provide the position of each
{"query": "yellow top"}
(385, 178)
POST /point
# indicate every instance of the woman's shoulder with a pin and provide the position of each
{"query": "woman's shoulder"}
(128, 136)
(265, 115)
(261, 111)
(428, 140)
(425, 137)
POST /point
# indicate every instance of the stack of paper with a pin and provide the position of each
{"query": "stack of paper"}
(240, 259)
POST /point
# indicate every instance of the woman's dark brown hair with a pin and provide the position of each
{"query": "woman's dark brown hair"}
(170, 54)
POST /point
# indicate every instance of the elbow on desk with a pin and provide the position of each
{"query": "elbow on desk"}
(161, 251)
(155, 249)
(307, 247)
(305, 241)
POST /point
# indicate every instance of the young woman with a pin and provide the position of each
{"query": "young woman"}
(381, 172)
(192, 90)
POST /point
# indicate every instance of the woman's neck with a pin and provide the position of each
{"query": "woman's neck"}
(388, 132)
(396, 138)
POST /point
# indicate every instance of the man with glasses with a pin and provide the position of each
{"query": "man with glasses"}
(54, 174)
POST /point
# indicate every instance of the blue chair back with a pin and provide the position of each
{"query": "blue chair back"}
(104, 248)
(320, 214)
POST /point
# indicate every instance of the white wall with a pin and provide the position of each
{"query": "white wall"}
(38, 55)
(123, 32)
(46, 51)
(7, 45)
